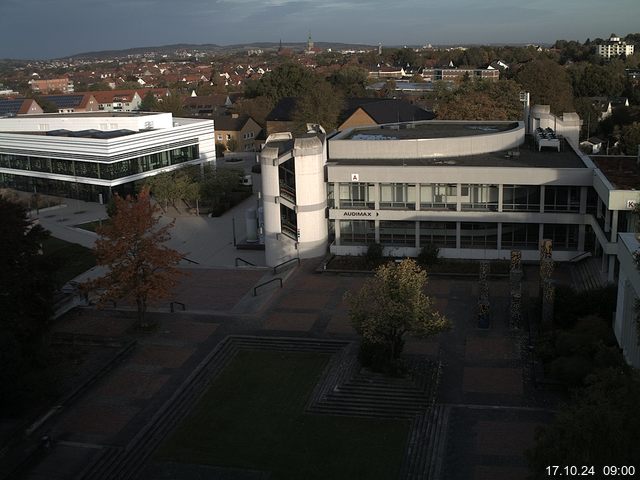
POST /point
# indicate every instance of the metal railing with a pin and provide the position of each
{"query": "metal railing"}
(255, 289)
(190, 261)
(238, 259)
(275, 269)
(580, 256)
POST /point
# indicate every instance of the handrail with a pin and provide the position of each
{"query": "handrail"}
(255, 289)
(177, 303)
(296, 259)
(190, 261)
(580, 256)
(243, 260)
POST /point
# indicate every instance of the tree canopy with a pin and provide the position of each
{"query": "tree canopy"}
(601, 426)
(320, 105)
(548, 83)
(287, 80)
(26, 297)
(131, 247)
(393, 304)
(480, 100)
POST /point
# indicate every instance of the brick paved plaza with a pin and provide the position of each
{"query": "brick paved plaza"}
(491, 419)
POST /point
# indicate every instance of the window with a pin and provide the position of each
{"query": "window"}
(357, 232)
(438, 234)
(561, 199)
(397, 195)
(356, 195)
(438, 196)
(480, 197)
(563, 236)
(520, 235)
(478, 235)
(521, 198)
(398, 233)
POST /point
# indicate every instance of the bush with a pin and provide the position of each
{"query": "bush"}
(570, 305)
(374, 255)
(571, 370)
(377, 357)
(428, 255)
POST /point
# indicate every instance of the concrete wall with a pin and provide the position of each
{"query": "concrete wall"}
(426, 147)
(624, 326)
(85, 121)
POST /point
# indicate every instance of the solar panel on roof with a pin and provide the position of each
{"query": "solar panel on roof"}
(66, 101)
(10, 106)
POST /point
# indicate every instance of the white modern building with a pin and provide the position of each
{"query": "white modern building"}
(90, 155)
(614, 47)
(475, 190)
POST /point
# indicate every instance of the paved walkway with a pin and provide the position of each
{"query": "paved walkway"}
(494, 409)
(207, 241)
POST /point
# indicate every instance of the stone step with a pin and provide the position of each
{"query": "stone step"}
(363, 411)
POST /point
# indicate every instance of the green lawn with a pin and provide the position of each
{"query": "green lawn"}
(70, 259)
(252, 417)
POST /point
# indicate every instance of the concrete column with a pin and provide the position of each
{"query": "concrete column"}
(612, 268)
(458, 229)
(459, 202)
(376, 198)
(417, 235)
(541, 201)
(540, 233)
(614, 226)
(336, 230)
(581, 236)
(500, 200)
(598, 208)
(583, 200)
(418, 197)
(377, 224)
(500, 229)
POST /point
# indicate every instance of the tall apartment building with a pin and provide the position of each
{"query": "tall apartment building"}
(614, 47)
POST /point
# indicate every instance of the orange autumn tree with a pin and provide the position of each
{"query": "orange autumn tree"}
(131, 247)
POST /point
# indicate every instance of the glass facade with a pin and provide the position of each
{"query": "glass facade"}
(356, 195)
(521, 198)
(479, 197)
(561, 199)
(357, 232)
(523, 236)
(99, 170)
(398, 233)
(564, 237)
(439, 234)
(438, 196)
(478, 235)
(398, 195)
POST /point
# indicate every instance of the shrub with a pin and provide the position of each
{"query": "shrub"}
(374, 255)
(428, 255)
(571, 370)
(375, 356)
(571, 305)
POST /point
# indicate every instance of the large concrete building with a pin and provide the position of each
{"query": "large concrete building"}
(91, 155)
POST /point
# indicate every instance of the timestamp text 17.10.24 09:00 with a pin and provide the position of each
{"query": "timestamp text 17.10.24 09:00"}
(590, 470)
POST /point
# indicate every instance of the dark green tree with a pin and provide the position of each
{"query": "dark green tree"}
(26, 296)
(480, 100)
(287, 80)
(601, 426)
(351, 81)
(149, 103)
(321, 105)
(548, 83)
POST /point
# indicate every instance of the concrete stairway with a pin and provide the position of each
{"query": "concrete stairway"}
(586, 275)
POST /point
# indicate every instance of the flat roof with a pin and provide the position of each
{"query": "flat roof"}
(89, 114)
(428, 129)
(526, 156)
(622, 172)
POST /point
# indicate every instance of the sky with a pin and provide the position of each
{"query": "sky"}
(40, 29)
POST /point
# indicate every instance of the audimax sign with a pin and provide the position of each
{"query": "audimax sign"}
(359, 213)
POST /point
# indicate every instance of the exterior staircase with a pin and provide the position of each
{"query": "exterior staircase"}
(586, 275)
